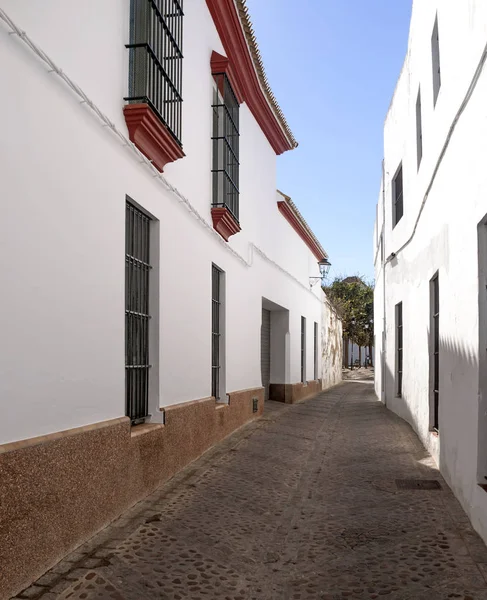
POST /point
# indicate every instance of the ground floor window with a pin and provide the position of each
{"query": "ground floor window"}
(137, 270)
(216, 331)
(315, 345)
(435, 347)
(265, 351)
(303, 349)
(399, 347)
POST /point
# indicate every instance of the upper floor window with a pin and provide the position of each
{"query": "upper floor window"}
(397, 196)
(225, 146)
(419, 129)
(156, 59)
(435, 56)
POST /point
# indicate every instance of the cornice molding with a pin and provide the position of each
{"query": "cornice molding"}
(293, 219)
(229, 27)
(220, 64)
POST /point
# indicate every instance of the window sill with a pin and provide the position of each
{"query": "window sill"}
(143, 428)
(151, 136)
(224, 222)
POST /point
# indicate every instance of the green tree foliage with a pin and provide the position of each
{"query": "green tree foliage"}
(353, 298)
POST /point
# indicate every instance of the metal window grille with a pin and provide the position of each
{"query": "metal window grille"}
(137, 268)
(398, 196)
(225, 146)
(399, 344)
(215, 331)
(303, 349)
(156, 59)
(419, 129)
(316, 351)
(435, 309)
(435, 60)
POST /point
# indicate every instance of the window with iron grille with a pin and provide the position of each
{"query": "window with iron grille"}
(397, 193)
(225, 146)
(419, 129)
(137, 270)
(435, 59)
(435, 327)
(399, 347)
(303, 349)
(316, 350)
(156, 59)
(216, 322)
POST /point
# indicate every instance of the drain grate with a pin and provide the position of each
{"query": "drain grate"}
(418, 484)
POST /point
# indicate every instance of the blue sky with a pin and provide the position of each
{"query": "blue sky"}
(333, 66)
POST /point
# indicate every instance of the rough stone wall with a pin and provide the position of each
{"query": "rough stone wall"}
(331, 345)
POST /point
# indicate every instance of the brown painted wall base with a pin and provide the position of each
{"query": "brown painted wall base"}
(58, 490)
(291, 393)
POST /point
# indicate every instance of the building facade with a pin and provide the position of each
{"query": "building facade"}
(430, 246)
(156, 287)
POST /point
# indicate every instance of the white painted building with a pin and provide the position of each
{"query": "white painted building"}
(145, 315)
(430, 246)
(358, 355)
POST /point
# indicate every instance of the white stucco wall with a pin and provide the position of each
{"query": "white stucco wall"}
(444, 239)
(64, 181)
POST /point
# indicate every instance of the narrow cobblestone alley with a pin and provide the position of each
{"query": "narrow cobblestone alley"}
(303, 504)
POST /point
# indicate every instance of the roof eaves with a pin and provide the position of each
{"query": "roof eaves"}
(303, 222)
(259, 69)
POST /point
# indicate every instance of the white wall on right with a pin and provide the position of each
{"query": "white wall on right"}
(444, 202)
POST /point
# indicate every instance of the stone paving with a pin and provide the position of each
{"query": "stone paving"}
(359, 374)
(302, 504)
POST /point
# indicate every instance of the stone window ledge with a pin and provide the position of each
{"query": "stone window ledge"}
(224, 222)
(145, 428)
(151, 136)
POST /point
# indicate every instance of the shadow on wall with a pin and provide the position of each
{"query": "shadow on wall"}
(462, 418)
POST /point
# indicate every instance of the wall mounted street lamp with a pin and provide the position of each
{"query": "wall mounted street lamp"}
(324, 266)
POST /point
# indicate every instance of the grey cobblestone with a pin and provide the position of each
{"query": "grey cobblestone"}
(61, 568)
(33, 591)
(48, 579)
(301, 505)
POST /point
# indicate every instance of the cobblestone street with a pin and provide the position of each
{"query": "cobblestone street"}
(302, 504)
